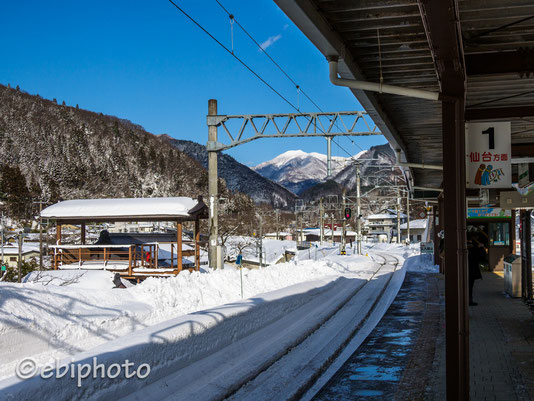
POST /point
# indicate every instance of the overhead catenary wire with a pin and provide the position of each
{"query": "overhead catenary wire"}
(269, 56)
(250, 69)
(297, 86)
(233, 54)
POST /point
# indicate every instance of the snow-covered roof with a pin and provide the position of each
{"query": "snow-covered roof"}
(380, 216)
(385, 216)
(327, 232)
(280, 234)
(98, 209)
(14, 250)
(419, 223)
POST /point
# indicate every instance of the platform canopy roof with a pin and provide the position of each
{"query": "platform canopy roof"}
(127, 209)
(489, 41)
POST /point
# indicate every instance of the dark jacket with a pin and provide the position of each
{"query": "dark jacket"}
(474, 257)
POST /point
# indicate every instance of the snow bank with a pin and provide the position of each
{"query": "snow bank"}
(66, 312)
(421, 264)
(169, 346)
(79, 279)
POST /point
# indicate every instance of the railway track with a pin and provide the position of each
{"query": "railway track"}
(292, 376)
(287, 358)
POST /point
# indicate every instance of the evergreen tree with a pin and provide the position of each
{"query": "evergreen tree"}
(15, 191)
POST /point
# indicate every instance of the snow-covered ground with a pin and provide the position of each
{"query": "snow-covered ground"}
(58, 314)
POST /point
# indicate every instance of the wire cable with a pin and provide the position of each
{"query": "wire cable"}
(299, 89)
(254, 72)
(233, 54)
(269, 56)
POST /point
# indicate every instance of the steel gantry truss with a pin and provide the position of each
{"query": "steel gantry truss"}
(255, 126)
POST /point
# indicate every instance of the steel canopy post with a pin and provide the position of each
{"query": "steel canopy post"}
(358, 210)
(398, 216)
(408, 217)
(454, 223)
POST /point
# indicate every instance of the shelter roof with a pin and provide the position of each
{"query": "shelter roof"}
(130, 209)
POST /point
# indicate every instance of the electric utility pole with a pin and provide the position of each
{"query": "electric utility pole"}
(332, 227)
(358, 211)
(343, 240)
(301, 228)
(277, 214)
(212, 184)
(20, 258)
(321, 220)
(260, 240)
(40, 236)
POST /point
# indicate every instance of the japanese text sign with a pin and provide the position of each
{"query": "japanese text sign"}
(488, 154)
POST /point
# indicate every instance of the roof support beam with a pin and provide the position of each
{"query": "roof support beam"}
(499, 113)
(509, 62)
(305, 15)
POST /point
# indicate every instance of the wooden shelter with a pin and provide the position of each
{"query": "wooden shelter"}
(131, 260)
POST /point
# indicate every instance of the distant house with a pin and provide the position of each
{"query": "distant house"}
(135, 227)
(11, 254)
(282, 235)
(418, 229)
(314, 235)
(382, 227)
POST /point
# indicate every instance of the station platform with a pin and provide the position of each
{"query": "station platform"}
(404, 357)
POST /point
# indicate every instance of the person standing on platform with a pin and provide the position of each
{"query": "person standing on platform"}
(475, 256)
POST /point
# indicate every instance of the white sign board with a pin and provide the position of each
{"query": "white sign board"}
(427, 247)
(488, 155)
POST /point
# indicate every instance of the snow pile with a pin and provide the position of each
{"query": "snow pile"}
(421, 264)
(62, 313)
(79, 279)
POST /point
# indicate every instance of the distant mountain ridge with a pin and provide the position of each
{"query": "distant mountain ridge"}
(375, 169)
(238, 177)
(50, 151)
(67, 152)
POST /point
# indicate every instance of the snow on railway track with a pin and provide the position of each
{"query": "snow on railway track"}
(279, 343)
(296, 372)
(284, 359)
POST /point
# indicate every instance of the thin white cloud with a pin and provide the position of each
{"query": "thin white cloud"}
(269, 42)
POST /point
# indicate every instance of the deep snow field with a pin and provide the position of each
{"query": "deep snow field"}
(55, 314)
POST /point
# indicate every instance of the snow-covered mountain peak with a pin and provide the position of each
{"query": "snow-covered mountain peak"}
(298, 170)
(301, 168)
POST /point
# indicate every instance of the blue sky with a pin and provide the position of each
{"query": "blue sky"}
(144, 61)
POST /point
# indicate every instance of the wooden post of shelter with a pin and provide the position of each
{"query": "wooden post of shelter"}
(179, 246)
(197, 243)
(58, 242)
(58, 234)
(83, 233)
(172, 255)
(130, 260)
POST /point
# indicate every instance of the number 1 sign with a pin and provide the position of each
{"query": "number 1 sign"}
(488, 154)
